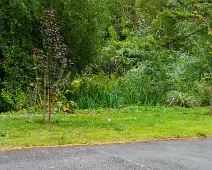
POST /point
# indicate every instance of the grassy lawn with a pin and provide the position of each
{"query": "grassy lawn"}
(104, 125)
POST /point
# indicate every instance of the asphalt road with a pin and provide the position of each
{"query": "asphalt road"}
(196, 154)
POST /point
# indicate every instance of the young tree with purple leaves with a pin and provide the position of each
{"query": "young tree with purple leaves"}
(51, 60)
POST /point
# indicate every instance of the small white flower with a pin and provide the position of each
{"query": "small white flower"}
(59, 104)
(109, 120)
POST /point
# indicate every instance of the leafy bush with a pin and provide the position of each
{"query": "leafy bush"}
(3, 134)
(111, 91)
(177, 98)
(147, 83)
(95, 91)
(17, 100)
(203, 88)
(4, 105)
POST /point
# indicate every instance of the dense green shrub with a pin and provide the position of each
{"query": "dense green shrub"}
(163, 77)
(18, 100)
(177, 98)
(203, 89)
(4, 105)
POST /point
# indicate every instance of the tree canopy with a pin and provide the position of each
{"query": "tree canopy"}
(166, 42)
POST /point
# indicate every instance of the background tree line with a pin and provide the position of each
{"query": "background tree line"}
(121, 52)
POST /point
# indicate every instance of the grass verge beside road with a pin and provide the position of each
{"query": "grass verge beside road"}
(104, 125)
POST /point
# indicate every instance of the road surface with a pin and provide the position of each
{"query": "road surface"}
(173, 155)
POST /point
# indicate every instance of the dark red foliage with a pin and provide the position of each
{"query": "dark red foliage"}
(54, 48)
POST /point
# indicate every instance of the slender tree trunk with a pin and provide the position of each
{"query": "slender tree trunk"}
(36, 94)
(49, 102)
(49, 91)
(44, 99)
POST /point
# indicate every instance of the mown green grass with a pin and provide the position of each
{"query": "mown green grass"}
(105, 125)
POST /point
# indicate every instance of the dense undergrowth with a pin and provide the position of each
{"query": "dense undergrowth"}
(121, 53)
(166, 78)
